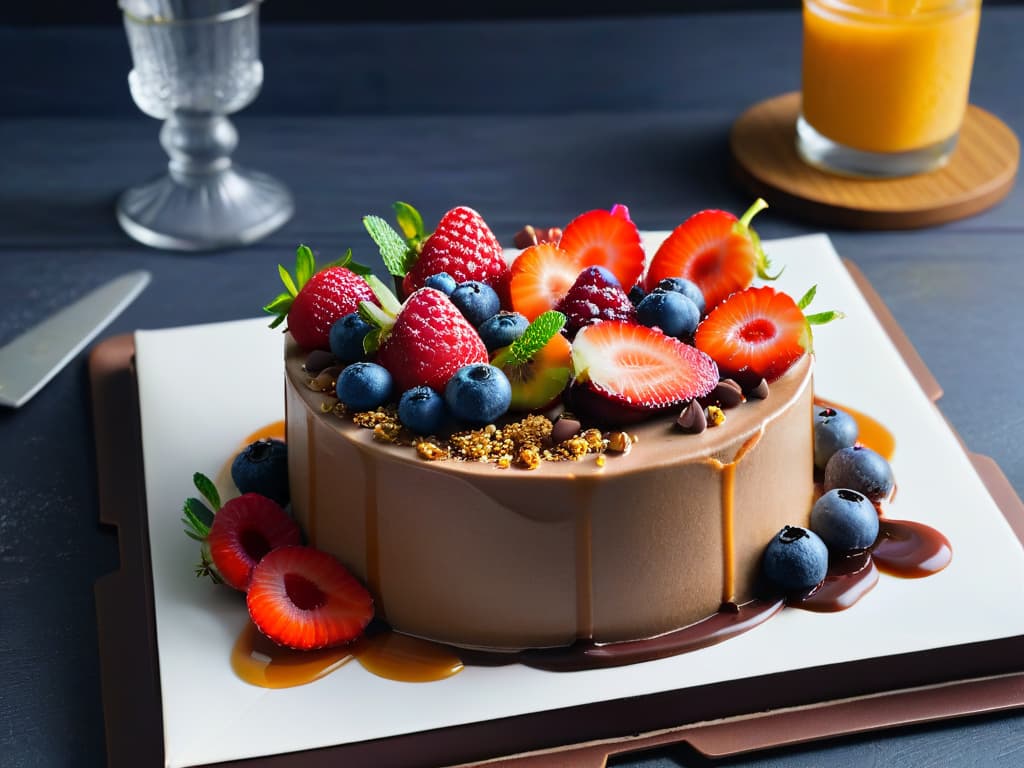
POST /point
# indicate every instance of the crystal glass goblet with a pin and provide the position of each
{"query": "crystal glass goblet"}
(195, 62)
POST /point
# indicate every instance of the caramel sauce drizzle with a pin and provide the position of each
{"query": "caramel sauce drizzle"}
(260, 662)
(871, 432)
(728, 480)
(275, 430)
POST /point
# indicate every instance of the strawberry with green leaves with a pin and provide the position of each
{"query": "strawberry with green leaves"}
(715, 250)
(462, 245)
(759, 333)
(236, 536)
(314, 299)
(424, 340)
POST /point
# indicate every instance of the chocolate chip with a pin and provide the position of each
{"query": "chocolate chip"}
(760, 392)
(727, 393)
(317, 360)
(563, 429)
(729, 607)
(525, 237)
(692, 419)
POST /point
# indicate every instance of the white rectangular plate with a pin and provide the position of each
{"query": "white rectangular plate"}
(202, 389)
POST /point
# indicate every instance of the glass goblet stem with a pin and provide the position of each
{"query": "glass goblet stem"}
(198, 144)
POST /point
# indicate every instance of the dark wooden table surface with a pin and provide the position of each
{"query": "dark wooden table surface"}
(525, 121)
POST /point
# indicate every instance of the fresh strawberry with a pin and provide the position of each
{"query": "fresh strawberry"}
(715, 250)
(244, 530)
(314, 300)
(540, 277)
(627, 372)
(303, 598)
(423, 341)
(606, 239)
(594, 297)
(758, 333)
(463, 246)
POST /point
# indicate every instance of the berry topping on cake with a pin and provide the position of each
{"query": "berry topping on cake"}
(625, 372)
(303, 598)
(715, 250)
(423, 341)
(244, 530)
(314, 300)
(595, 296)
(796, 560)
(463, 246)
(476, 301)
(478, 394)
(346, 338)
(422, 410)
(672, 312)
(443, 282)
(537, 364)
(262, 467)
(758, 333)
(502, 329)
(606, 239)
(540, 276)
(688, 288)
(364, 386)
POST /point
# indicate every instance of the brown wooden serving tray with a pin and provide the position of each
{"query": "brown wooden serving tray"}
(716, 720)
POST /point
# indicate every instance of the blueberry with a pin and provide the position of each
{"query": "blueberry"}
(859, 469)
(845, 520)
(364, 386)
(675, 314)
(262, 467)
(502, 329)
(636, 294)
(477, 301)
(796, 559)
(346, 337)
(478, 393)
(833, 429)
(422, 410)
(442, 281)
(688, 288)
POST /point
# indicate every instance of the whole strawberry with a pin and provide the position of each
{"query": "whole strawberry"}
(423, 341)
(316, 299)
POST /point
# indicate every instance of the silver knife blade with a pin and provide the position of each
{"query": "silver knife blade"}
(36, 356)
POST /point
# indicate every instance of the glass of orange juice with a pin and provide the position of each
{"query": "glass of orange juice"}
(885, 83)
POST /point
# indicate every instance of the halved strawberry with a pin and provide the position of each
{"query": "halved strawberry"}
(303, 598)
(715, 250)
(423, 341)
(314, 300)
(627, 372)
(463, 246)
(758, 333)
(539, 277)
(244, 530)
(606, 239)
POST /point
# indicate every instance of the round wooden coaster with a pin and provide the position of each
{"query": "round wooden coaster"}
(979, 174)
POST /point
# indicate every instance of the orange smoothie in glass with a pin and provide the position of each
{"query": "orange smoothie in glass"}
(888, 76)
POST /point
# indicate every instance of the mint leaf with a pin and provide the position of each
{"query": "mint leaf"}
(393, 249)
(206, 487)
(539, 333)
(807, 298)
(409, 221)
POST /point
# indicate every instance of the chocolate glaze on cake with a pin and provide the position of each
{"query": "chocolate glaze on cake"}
(472, 555)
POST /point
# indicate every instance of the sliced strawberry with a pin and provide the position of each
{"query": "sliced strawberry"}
(428, 342)
(314, 300)
(596, 296)
(303, 598)
(627, 372)
(605, 239)
(539, 277)
(715, 250)
(244, 530)
(463, 246)
(756, 333)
